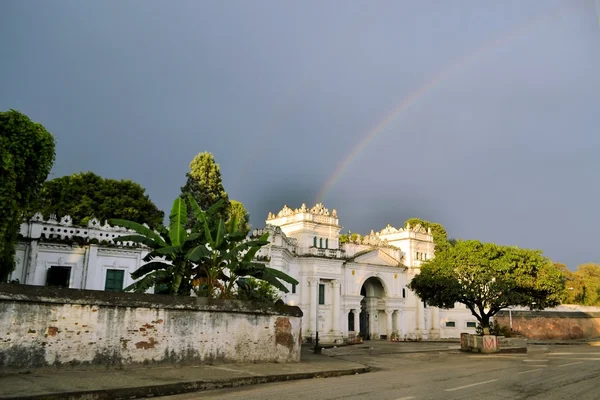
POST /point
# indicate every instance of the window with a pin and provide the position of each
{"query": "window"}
(114, 280)
(471, 324)
(326, 243)
(321, 243)
(424, 256)
(293, 288)
(321, 293)
(403, 293)
(315, 241)
(417, 255)
(58, 276)
(450, 324)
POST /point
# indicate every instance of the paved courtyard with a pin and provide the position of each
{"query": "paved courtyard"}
(546, 372)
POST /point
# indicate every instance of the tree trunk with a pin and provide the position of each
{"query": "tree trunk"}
(485, 324)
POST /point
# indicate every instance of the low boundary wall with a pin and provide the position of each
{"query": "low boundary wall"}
(543, 325)
(43, 326)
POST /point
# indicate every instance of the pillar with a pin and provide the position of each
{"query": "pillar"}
(356, 320)
(389, 329)
(396, 323)
(335, 284)
(373, 318)
(313, 284)
(420, 317)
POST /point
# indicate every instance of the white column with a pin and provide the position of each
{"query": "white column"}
(356, 320)
(388, 327)
(420, 317)
(313, 284)
(335, 284)
(396, 322)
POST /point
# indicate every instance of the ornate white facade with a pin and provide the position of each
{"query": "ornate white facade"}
(351, 288)
(344, 288)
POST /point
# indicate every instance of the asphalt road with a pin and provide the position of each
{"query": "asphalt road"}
(545, 373)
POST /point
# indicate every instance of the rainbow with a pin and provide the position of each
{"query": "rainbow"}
(412, 98)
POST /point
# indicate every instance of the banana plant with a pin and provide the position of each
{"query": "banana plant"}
(225, 256)
(166, 264)
(210, 258)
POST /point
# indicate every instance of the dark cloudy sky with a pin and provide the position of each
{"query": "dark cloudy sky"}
(481, 115)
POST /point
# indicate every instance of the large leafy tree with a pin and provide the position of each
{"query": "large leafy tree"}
(488, 278)
(205, 185)
(210, 258)
(26, 158)
(86, 195)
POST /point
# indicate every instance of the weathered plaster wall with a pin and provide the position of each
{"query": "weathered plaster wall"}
(41, 326)
(552, 324)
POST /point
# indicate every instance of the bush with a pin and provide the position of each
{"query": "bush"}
(250, 289)
(495, 329)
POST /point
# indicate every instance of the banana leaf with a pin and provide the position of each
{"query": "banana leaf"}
(177, 221)
(197, 253)
(139, 228)
(282, 275)
(168, 250)
(212, 210)
(196, 210)
(149, 267)
(232, 225)
(149, 281)
(268, 276)
(220, 234)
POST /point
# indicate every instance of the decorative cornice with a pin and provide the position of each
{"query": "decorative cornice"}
(318, 209)
(389, 229)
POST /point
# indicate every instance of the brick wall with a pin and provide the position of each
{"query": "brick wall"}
(42, 326)
(561, 325)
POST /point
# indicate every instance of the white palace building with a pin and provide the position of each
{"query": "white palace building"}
(345, 290)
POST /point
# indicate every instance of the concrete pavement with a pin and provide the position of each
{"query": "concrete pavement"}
(138, 382)
(547, 372)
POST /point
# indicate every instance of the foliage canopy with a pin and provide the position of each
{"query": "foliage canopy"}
(84, 196)
(487, 278)
(26, 158)
(582, 286)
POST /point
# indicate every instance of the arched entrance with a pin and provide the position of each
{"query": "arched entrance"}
(372, 306)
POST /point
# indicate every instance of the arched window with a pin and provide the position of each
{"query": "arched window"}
(315, 241)
(326, 243)
(321, 243)
(403, 293)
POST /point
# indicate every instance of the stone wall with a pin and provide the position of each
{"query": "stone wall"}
(561, 325)
(43, 326)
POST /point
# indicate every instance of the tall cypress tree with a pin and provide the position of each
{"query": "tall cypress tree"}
(204, 183)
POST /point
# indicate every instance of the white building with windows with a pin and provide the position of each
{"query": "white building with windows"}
(345, 289)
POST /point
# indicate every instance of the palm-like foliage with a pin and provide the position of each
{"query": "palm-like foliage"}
(208, 258)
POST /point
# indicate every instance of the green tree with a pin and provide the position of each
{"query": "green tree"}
(238, 211)
(26, 158)
(209, 258)
(205, 185)
(487, 278)
(86, 195)
(584, 285)
(440, 236)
